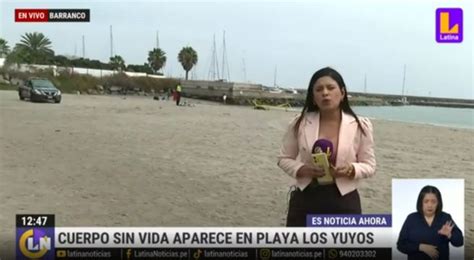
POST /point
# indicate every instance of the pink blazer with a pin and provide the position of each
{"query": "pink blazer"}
(353, 147)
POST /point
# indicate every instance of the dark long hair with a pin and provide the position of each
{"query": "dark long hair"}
(309, 105)
(429, 189)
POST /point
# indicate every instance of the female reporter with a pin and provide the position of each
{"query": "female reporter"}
(326, 115)
(427, 233)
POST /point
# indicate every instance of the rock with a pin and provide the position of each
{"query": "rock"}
(115, 89)
(16, 81)
(92, 91)
(4, 81)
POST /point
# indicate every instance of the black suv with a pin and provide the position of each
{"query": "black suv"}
(39, 90)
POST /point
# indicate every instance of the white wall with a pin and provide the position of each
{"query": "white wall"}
(84, 71)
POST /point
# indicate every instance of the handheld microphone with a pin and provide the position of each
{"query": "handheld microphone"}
(323, 156)
(324, 146)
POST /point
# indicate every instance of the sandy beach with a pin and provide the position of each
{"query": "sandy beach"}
(109, 161)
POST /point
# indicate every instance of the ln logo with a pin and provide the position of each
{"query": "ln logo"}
(34, 243)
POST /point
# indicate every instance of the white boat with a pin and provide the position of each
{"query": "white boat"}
(276, 90)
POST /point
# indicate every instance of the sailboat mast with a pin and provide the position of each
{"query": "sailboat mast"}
(404, 74)
(111, 43)
(83, 47)
(225, 63)
(275, 77)
(244, 70)
(223, 56)
(365, 83)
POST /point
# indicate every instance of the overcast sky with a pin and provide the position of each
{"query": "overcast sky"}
(358, 38)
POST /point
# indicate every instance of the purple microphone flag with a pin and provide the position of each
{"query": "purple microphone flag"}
(325, 146)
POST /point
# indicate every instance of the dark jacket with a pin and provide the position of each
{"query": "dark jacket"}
(415, 231)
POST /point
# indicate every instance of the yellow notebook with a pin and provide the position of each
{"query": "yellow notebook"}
(321, 159)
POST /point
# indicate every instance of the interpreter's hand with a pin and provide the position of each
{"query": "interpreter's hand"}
(430, 250)
(446, 229)
(312, 171)
(347, 171)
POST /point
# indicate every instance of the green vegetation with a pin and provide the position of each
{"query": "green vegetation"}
(117, 63)
(36, 48)
(4, 48)
(188, 58)
(71, 83)
(33, 48)
(4, 86)
(140, 68)
(156, 59)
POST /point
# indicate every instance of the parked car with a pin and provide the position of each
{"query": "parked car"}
(39, 89)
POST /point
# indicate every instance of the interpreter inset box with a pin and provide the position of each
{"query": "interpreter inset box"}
(428, 218)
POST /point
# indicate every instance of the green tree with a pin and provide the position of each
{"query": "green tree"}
(117, 63)
(140, 68)
(61, 60)
(91, 64)
(16, 56)
(188, 58)
(4, 48)
(156, 59)
(35, 48)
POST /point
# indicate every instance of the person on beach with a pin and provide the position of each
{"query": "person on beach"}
(326, 115)
(427, 233)
(178, 94)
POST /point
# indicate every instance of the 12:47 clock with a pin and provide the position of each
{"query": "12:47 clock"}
(34, 220)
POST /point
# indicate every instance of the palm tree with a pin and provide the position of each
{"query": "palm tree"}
(117, 62)
(4, 48)
(35, 47)
(188, 58)
(156, 59)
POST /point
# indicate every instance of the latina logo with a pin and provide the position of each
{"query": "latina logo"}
(449, 25)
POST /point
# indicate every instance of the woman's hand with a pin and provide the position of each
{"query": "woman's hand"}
(312, 171)
(446, 229)
(430, 250)
(347, 171)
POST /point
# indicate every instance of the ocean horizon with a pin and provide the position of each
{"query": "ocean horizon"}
(439, 116)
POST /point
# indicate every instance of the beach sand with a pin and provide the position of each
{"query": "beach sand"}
(109, 161)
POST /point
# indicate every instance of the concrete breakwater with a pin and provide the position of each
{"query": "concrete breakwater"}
(248, 94)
